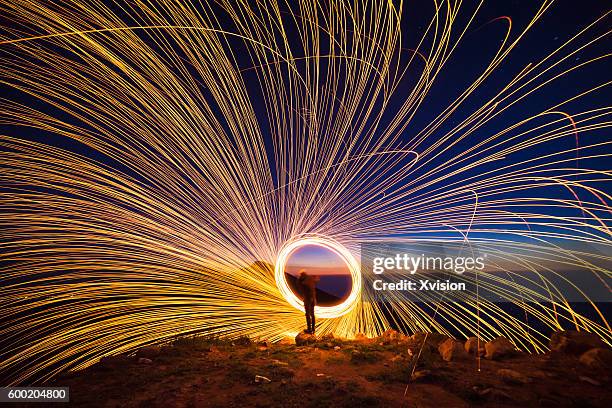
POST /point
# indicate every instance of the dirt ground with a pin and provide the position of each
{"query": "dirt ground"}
(198, 372)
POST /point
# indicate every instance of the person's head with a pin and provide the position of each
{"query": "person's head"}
(303, 273)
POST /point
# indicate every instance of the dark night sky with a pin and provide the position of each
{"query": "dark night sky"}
(559, 23)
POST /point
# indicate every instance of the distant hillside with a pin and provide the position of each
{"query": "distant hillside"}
(324, 298)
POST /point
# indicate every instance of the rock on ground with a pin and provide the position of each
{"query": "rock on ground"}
(392, 337)
(451, 350)
(597, 359)
(303, 339)
(431, 338)
(499, 347)
(574, 342)
(475, 346)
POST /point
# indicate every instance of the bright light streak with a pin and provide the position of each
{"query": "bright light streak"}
(338, 249)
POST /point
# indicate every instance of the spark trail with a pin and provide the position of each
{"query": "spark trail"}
(156, 157)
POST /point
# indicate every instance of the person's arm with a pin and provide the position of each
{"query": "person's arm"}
(300, 289)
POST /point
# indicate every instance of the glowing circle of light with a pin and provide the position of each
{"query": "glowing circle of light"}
(331, 245)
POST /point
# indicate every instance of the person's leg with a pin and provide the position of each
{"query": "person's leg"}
(308, 316)
(307, 322)
(312, 321)
(312, 318)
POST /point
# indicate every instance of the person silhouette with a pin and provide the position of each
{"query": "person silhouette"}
(308, 289)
